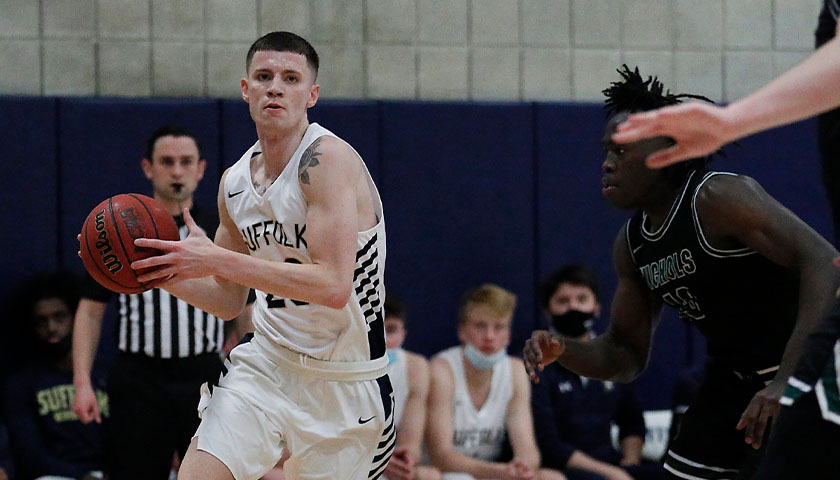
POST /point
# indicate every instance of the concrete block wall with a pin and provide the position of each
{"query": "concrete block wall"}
(509, 50)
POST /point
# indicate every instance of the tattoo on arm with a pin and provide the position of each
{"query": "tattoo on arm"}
(308, 159)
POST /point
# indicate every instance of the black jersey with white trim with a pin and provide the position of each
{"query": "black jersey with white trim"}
(743, 303)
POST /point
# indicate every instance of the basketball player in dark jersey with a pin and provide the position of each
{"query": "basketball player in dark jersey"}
(751, 276)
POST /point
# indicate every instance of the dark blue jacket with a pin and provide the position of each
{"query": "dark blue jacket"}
(569, 416)
(47, 437)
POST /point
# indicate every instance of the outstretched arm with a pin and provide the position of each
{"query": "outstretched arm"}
(621, 353)
(224, 269)
(809, 88)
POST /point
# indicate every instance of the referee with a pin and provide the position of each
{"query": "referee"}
(167, 347)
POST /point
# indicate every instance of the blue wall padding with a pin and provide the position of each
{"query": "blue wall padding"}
(473, 193)
(459, 204)
(29, 195)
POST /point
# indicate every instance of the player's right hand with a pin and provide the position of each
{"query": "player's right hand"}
(85, 405)
(541, 349)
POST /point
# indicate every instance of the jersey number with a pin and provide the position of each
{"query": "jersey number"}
(274, 302)
(683, 300)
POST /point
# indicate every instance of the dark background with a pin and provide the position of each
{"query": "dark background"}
(473, 193)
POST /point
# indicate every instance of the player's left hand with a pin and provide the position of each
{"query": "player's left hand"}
(179, 260)
(763, 406)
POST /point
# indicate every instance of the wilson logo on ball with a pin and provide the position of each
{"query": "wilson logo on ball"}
(104, 246)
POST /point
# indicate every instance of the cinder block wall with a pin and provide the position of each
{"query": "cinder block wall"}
(517, 50)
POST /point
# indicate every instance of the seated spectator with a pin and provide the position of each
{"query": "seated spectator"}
(409, 373)
(7, 468)
(46, 435)
(575, 413)
(478, 394)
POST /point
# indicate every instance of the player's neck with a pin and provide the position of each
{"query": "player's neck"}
(175, 207)
(658, 210)
(279, 146)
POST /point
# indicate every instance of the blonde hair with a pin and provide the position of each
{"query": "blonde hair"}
(499, 301)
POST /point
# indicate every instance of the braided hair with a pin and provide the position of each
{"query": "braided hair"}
(635, 94)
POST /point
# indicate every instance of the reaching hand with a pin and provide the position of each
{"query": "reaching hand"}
(85, 405)
(179, 260)
(763, 406)
(698, 128)
(540, 350)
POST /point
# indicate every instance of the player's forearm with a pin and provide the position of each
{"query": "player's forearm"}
(602, 358)
(811, 87)
(817, 285)
(313, 283)
(216, 296)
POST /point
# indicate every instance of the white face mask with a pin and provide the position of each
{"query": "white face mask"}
(481, 360)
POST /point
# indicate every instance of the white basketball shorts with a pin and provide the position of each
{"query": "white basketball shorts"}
(335, 429)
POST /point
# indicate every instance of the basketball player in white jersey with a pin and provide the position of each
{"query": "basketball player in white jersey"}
(301, 223)
(409, 374)
(479, 395)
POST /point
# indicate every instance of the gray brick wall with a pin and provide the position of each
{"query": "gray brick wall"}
(507, 50)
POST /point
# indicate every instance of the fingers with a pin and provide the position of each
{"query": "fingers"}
(638, 127)
(162, 245)
(668, 156)
(754, 421)
(159, 275)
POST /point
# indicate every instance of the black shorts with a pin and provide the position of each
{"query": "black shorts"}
(708, 446)
(802, 444)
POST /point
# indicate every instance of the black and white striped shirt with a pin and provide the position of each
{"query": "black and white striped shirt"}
(159, 325)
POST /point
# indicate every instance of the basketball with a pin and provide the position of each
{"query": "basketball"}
(107, 239)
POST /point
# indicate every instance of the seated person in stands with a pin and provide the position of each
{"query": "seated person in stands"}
(409, 373)
(575, 413)
(47, 437)
(478, 394)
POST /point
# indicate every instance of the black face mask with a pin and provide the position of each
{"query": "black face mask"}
(573, 323)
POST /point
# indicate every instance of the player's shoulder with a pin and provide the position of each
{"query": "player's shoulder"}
(724, 185)
(724, 193)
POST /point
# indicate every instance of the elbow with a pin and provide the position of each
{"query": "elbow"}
(338, 296)
(229, 312)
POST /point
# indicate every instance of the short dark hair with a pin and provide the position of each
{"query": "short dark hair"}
(61, 285)
(635, 94)
(170, 131)
(571, 274)
(284, 42)
(395, 307)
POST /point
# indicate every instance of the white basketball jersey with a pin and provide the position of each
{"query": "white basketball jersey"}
(398, 373)
(273, 227)
(479, 433)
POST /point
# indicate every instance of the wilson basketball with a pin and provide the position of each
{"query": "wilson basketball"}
(107, 240)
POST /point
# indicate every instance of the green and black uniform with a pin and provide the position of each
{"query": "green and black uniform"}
(805, 441)
(746, 307)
